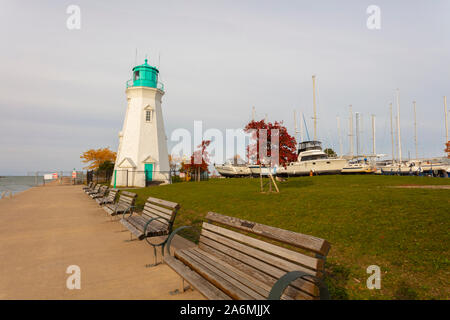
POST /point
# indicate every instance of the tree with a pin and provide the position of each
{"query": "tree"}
(98, 157)
(330, 152)
(199, 161)
(287, 147)
(106, 166)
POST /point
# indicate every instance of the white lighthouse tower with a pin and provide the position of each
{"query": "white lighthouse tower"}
(142, 156)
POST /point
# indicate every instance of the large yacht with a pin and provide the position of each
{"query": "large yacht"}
(311, 158)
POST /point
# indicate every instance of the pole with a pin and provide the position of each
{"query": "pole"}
(350, 130)
(398, 128)
(446, 120)
(340, 136)
(315, 109)
(295, 124)
(374, 150)
(301, 127)
(260, 177)
(415, 129)
(357, 133)
(253, 113)
(361, 133)
(392, 134)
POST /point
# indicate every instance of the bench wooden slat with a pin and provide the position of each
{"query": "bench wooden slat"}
(266, 268)
(155, 213)
(257, 254)
(132, 228)
(261, 288)
(299, 240)
(154, 227)
(241, 283)
(223, 283)
(252, 272)
(129, 194)
(169, 204)
(208, 290)
(159, 208)
(307, 261)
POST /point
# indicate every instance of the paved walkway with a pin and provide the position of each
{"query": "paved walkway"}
(46, 229)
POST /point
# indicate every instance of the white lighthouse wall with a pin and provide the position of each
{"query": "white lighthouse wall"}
(141, 140)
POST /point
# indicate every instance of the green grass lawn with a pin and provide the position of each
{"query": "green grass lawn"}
(403, 231)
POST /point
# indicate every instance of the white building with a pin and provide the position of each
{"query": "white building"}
(142, 156)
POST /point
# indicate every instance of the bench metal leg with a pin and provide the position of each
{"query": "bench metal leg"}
(154, 259)
(182, 289)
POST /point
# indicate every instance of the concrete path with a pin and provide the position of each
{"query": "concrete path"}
(46, 229)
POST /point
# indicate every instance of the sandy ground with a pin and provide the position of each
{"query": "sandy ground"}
(46, 229)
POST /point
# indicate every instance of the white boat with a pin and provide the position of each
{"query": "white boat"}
(358, 166)
(311, 158)
(416, 167)
(255, 170)
(233, 170)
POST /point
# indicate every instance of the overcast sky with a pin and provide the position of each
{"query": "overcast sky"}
(63, 91)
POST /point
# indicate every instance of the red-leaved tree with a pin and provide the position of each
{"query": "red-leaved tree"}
(199, 161)
(286, 147)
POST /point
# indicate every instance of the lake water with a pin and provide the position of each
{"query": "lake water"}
(19, 183)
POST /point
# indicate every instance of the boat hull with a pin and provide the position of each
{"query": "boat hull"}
(321, 167)
(233, 171)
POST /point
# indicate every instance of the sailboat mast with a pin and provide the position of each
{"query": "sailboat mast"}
(398, 128)
(315, 108)
(301, 127)
(295, 124)
(358, 151)
(446, 120)
(253, 113)
(415, 129)
(392, 134)
(350, 131)
(340, 136)
(374, 151)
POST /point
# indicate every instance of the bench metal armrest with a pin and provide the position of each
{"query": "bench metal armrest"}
(169, 239)
(145, 232)
(282, 283)
(129, 209)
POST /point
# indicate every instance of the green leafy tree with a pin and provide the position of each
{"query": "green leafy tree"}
(330, 152)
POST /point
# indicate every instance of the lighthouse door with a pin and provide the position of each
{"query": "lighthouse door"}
(148, 172)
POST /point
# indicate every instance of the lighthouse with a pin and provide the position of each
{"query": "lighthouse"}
(142, 155)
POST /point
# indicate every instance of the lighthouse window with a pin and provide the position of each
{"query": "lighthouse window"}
(136, 75)
(148, 115)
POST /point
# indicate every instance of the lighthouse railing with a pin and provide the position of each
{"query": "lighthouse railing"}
(159, 85)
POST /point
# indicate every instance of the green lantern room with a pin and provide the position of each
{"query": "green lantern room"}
(145, 75)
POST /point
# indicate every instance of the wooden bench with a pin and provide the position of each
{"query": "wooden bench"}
(229, 264)
(88, 186)
(91, 188)
(94, 190)
(155, 220)
(124, 204)
(110, 198)
(101, 192)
